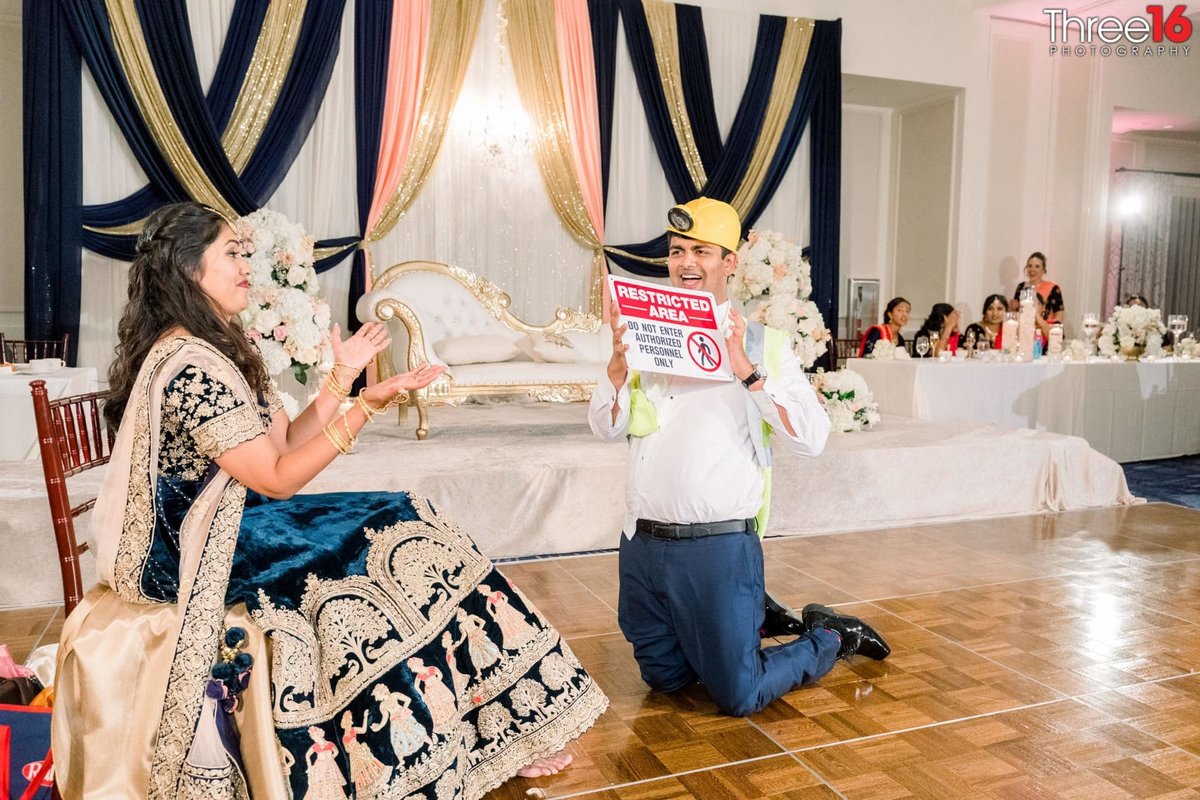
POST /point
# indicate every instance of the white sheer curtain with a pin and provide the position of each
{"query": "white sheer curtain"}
(1141, 240)
(483, 207)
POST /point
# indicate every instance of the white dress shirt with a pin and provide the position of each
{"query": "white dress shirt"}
(701, 465)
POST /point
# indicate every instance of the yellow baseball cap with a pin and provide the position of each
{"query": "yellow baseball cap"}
(707, 220)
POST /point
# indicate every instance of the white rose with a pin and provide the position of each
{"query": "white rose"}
(266, 321)
(274, 356)
(297, 275)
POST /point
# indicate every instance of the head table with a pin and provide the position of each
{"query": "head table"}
(1129, 411)
(18, 432)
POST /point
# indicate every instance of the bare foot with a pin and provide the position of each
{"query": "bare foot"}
(546, 766)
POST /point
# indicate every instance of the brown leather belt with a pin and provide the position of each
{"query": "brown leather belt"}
(694, 530)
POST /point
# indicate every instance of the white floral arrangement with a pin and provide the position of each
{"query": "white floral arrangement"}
(1075, 350)
(287, 317)
(772, 270)
(884, 350)
(1130, 328)
(848, 400)
(1186, 348)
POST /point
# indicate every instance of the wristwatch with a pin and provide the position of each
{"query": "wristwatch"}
(754, 377)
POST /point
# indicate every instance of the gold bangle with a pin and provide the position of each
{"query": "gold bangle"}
(369, 411)
(346, 425)
(335, 386)
(334, 439)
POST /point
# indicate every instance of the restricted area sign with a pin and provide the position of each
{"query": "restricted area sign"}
(671, 330)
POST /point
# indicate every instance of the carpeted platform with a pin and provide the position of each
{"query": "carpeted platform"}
(1170, 480)
(527, 479)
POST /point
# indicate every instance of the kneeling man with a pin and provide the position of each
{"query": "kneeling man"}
(691, 560)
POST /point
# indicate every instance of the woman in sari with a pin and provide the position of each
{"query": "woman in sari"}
(167, 687)
(895, 317)
(1051, 295)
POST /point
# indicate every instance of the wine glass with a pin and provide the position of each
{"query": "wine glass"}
(1091, 325)
(922, 345)
(982, 346)
(968, 343)
(933, 340)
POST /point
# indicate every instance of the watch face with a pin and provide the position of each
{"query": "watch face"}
(679, 219)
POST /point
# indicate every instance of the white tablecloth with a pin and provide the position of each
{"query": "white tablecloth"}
(1130, 411)
(19, 439)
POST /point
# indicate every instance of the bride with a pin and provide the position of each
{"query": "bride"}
(231, 607)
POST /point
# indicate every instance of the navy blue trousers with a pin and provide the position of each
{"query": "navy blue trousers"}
(693, 608)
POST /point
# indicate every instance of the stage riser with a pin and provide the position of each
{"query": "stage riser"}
(529, 479)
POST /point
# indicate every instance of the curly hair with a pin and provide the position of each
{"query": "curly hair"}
(165, 293)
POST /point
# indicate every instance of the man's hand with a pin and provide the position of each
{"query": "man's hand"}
(735, 345)
(618, 367)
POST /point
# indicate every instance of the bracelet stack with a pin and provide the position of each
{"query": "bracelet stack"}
(335, 386)
(342, 445)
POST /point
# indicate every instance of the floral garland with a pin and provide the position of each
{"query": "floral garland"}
(1130, 328)
(771, 269)
(287, 317)
(848, 400)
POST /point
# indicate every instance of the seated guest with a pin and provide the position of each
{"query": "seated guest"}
(1047, 290)
(373, 605)
(895, 317)
(991, 327)
(942, 321)
(1137, 300)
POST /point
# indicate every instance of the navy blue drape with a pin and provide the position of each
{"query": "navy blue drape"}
(372, 39)
(697, 83)
(53, 191)
(169, 41)
(658, 117)
(729, 169)
(244, 25)
(603, 15)
(818, 99)
(825, 155)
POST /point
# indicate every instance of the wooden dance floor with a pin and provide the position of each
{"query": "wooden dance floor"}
(1051, 655)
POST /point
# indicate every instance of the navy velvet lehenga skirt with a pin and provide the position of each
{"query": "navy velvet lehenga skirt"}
(403, 663)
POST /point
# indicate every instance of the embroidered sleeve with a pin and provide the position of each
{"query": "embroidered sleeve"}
(1054, 302)
(206, 408)
(272, 401)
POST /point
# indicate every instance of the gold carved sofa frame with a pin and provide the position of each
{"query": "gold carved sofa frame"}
(385, 302)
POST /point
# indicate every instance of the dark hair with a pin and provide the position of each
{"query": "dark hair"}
(674, 235)
(1139, 298)
(937, 316)
(992, 298)
(164, 293)
(1041, 255)
(891, 306)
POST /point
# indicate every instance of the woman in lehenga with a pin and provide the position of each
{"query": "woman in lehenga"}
(325, 780)
(365, 768)
(206, 554)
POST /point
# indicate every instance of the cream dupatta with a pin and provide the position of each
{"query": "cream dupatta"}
(132, 670)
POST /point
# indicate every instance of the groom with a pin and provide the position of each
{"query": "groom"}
(691, 562)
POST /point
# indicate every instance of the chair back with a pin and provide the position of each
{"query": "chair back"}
(21, 351)
(846, 348)
(73, 439)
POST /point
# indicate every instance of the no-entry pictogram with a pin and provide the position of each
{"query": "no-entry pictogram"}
(704, 351)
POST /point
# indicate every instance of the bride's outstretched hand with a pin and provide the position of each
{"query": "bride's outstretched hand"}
(384, 391)
(358, 350)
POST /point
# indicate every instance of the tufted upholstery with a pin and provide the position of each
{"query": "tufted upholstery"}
(433, 302)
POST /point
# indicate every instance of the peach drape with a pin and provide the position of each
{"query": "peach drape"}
(576, 68)
(406, 65)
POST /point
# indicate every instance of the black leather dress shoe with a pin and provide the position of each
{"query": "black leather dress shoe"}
(857, 636)
(780, 620)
